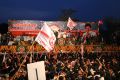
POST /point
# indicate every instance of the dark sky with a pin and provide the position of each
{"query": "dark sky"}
(87, 10)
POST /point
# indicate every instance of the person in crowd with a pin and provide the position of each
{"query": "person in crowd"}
(70, 67)
(88, 34)
(65, 65)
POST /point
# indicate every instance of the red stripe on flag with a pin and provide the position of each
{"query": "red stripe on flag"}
(43, 33)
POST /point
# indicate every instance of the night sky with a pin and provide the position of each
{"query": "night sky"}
(86, 10)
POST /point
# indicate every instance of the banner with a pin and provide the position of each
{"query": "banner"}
(32, 27)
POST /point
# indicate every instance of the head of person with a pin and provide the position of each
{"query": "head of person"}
(87, 27)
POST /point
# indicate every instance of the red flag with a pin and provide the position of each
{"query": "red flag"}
(71, 24)
(46, 38)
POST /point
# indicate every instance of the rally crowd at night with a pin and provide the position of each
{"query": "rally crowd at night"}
(63, 65)
(66, 66)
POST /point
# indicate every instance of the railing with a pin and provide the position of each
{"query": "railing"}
(58, 48)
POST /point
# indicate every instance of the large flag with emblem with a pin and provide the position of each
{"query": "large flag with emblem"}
(46, 37)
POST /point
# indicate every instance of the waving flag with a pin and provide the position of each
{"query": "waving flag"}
(46, 38)
(71, 24)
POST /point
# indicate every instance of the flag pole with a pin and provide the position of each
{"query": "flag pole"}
(14, 76)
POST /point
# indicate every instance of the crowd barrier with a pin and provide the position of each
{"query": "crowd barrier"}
(58, 48)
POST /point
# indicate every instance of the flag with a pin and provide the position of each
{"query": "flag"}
(100, 22)
(46, 38)
(71, 24)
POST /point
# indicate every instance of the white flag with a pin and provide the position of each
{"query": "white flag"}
(46, 38)
(71, 24)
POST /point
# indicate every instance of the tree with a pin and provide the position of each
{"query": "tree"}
(3, 28)
(65, 13)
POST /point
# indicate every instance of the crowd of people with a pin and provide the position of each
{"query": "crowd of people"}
(75, 37)
(8, 39)
(64, 66)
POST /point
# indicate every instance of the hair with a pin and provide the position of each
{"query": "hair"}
(87, 24)
(61, 78)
